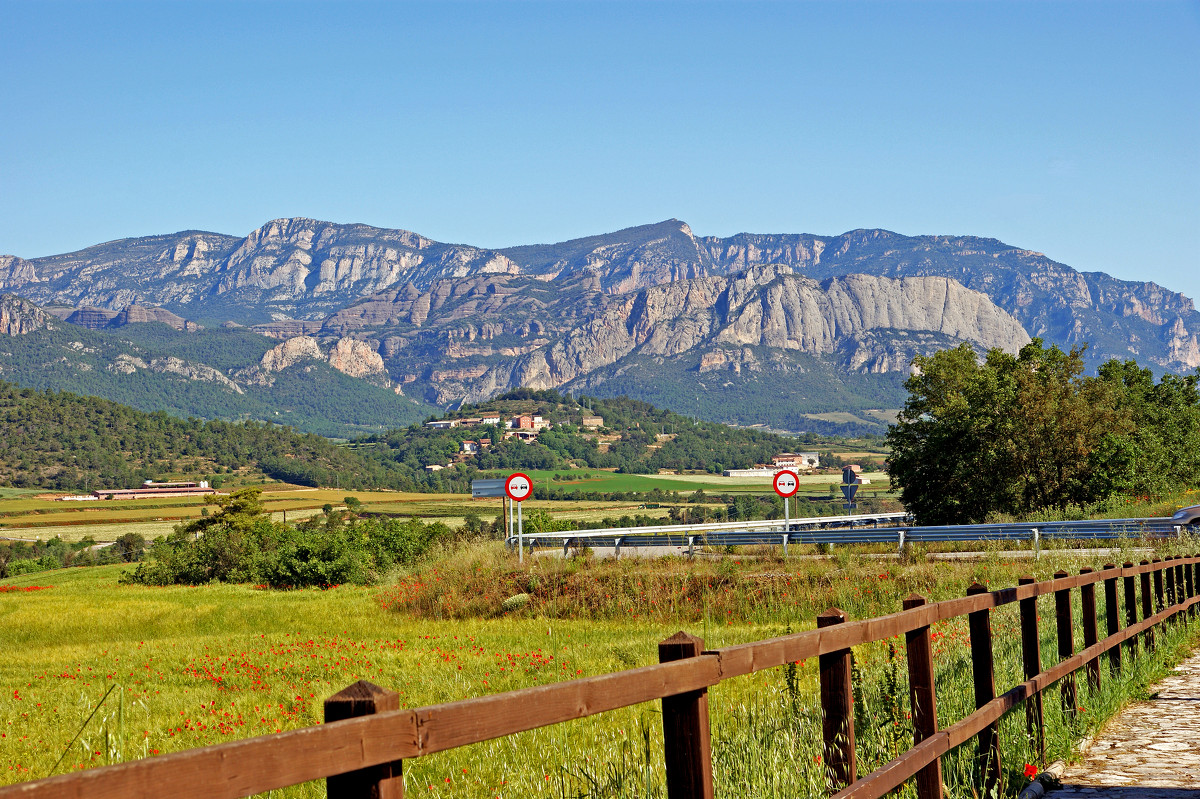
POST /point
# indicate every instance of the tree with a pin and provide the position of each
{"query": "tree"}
(1010, 434)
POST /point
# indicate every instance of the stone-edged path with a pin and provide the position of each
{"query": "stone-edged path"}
(1151, 749)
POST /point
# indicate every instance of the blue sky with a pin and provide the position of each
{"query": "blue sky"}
(1068, 128)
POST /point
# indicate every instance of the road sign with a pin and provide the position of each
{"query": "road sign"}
(849, 505)
(518, 486)
(786, 483)
(482, 489)
(848, 491)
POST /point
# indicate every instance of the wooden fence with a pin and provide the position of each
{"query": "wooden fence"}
(360, 748)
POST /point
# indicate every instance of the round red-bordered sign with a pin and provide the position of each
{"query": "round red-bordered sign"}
(786, 483)
(518, 486)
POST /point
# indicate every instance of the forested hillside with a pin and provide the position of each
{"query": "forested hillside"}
(64, 441)
(58, 440)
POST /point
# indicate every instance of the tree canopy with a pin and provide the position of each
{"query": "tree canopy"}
(1020, 434)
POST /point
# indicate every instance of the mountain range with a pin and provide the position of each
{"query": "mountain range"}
(796, 331)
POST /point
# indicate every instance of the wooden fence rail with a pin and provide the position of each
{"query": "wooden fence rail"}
(360, 748)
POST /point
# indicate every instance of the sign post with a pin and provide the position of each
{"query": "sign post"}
(786, 483)
(850, 482)
(518, 487)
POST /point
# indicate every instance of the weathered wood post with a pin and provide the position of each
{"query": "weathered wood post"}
(1169, 574)
(837, 706)
(987, 745)
(1031, 657)
(1180, 593)
(1147, 607)
(686, 740)
(1066, 643)
(1112, 617)
(384, 781)
(1087, 607)
(923, 699)
(1159, 602)
(1130, 608)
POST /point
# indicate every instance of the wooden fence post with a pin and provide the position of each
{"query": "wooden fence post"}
(384, 781)
(1180, 594)
(837, 706)
(923, 699)
(1066, 643)
(987, 746)
(1147, 607)
(1087, 607)
(686, 740)
(1169, 573)
(1130, 609)
(1159, 603)
(1190, 575)
(1112, 617)
(1031, 657)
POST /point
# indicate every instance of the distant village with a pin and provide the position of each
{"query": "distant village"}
(524, 427)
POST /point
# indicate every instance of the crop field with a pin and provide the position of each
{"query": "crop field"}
(164, 669)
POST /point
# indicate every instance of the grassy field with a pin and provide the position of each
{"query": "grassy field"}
(188, 666)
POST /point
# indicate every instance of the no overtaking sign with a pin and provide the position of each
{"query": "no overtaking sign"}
(786, 483)
(518, 486)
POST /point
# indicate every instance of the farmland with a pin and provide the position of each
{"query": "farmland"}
(29, 514)
(188, 666)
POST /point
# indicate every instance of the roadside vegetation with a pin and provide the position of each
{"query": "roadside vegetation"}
(1030, 433)
(167, 668)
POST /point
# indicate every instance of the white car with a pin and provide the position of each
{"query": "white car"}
(1188, 515)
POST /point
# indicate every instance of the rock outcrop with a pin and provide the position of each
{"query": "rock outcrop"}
(357, 359)
(128, 364)
(290, 353)
(18, 317)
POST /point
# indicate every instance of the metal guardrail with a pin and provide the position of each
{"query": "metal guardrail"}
(846, 530)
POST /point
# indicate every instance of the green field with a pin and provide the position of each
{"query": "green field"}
(189, 666)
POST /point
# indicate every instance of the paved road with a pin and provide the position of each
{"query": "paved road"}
(1151, 749)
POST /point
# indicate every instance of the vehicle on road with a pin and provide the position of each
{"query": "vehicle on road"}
(1188, 515)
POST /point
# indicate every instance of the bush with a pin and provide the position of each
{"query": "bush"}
(240, 543)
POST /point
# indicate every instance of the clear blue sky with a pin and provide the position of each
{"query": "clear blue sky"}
(1068, 128)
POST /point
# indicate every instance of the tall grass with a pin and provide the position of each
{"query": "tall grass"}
(194, 666)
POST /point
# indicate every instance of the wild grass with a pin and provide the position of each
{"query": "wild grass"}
(192, 666)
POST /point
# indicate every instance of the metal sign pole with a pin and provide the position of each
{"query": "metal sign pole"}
(787, 524)
(520, 536)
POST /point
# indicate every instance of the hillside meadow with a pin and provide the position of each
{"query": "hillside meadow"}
(161, 669)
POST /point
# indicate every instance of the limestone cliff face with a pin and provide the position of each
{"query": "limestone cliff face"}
(349, 356)
(357, 359)
(290, 353)
(470, 339)
(18, 317)
(16, 272)
(772, 308)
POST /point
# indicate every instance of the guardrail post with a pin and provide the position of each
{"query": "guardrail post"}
(384, 781)
(987, 746)
(1147, 607)
(1031, 657)
(1130, 609)
(1087, 607)
(1037, 544)
(837, 706)
(1112, 618)
(923, 699)
(1066, 644)
(686, 740)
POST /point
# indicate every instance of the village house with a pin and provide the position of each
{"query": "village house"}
(442, 424)
(592, 422)
(796, 460)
